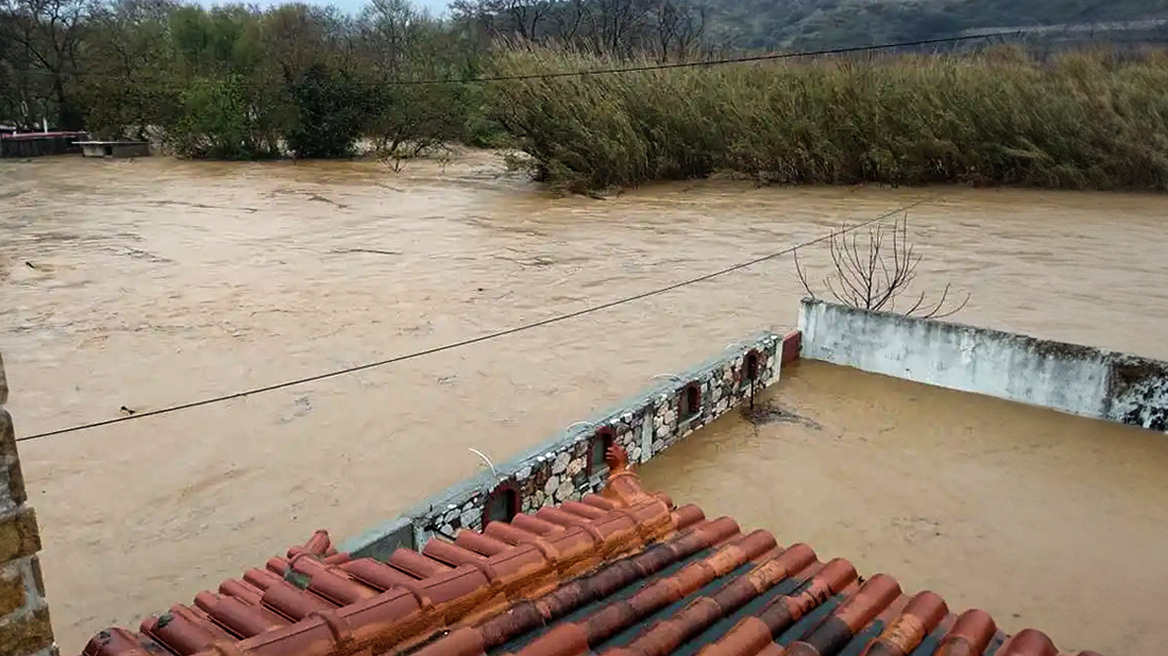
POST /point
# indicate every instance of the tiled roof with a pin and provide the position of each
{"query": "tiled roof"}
(624, 573)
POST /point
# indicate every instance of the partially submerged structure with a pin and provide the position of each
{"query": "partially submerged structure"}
(115, 149)
(624, 572)
(37, 144)
(561, 551)
(1071, 378)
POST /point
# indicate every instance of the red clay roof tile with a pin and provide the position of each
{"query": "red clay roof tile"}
(623, 574)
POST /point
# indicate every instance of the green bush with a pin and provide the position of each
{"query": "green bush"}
(221, 118)
(331, 111)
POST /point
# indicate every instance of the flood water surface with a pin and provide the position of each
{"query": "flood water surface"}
(128, 286)
(1043, 519)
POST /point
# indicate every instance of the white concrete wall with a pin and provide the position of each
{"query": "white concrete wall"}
(1067, 377)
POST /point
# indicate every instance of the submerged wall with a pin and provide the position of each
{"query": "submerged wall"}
(1068, 377)
(570, 465)
(115, 148)
(37, 144)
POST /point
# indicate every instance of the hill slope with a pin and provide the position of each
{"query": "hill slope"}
(826, 23)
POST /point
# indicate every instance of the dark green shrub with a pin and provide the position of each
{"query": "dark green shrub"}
(331, 112)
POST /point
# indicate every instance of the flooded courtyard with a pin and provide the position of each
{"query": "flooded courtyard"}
(1045, 520)
(128, 286)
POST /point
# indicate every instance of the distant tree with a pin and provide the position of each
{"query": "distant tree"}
(403, 48)
(392, 35)
(220, 40)
(679, 29)
(127, 79)
(233, 96)
(43, 45)
(666, 29)
(299, 37)
(14, 83)
(568, 19)
(523, 19)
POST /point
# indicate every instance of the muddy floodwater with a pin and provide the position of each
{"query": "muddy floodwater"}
(1044, 519)
(127, 286)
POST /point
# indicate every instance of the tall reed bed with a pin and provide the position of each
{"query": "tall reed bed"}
(1085, 120)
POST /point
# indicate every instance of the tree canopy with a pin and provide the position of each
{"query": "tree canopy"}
(240, 81)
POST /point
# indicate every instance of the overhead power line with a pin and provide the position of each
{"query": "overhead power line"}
(702, 64)
(466, 342)
(618, 70)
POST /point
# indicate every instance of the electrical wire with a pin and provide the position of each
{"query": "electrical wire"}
(473, 340)
(701, 64)
(655, 67)
(1015, 32)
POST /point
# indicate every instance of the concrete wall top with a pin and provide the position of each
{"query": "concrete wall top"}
(1068, 377)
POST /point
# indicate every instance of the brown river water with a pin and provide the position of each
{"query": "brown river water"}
(141, 284)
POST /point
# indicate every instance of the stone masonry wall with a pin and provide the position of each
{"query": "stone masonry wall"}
(559, 470)
(24, 616)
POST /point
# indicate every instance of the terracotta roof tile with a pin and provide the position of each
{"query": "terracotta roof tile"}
(624, 573)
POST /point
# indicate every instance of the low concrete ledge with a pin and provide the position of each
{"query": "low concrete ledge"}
(1076, 379)
(382, 540)
(114, 149)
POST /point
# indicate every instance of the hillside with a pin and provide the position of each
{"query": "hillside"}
(827, 23)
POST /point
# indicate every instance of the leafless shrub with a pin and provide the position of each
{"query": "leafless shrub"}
(396, 156)
(873, 273)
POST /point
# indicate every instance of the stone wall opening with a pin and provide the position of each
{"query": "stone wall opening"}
(502, 505)
(597, 449)
(690, 404)
(750, 367)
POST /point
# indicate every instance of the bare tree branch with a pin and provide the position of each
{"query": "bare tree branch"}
(875, 279)
(955, 310)
(802, 275)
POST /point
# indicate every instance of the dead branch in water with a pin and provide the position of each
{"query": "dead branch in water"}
(872, 273)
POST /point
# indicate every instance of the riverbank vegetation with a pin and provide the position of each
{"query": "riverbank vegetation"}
(1080, 120)
(239, 82)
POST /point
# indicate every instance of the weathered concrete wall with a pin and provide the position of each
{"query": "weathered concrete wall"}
(1137, 391)
(24, 616)
(559, 470)
(1068, 377)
